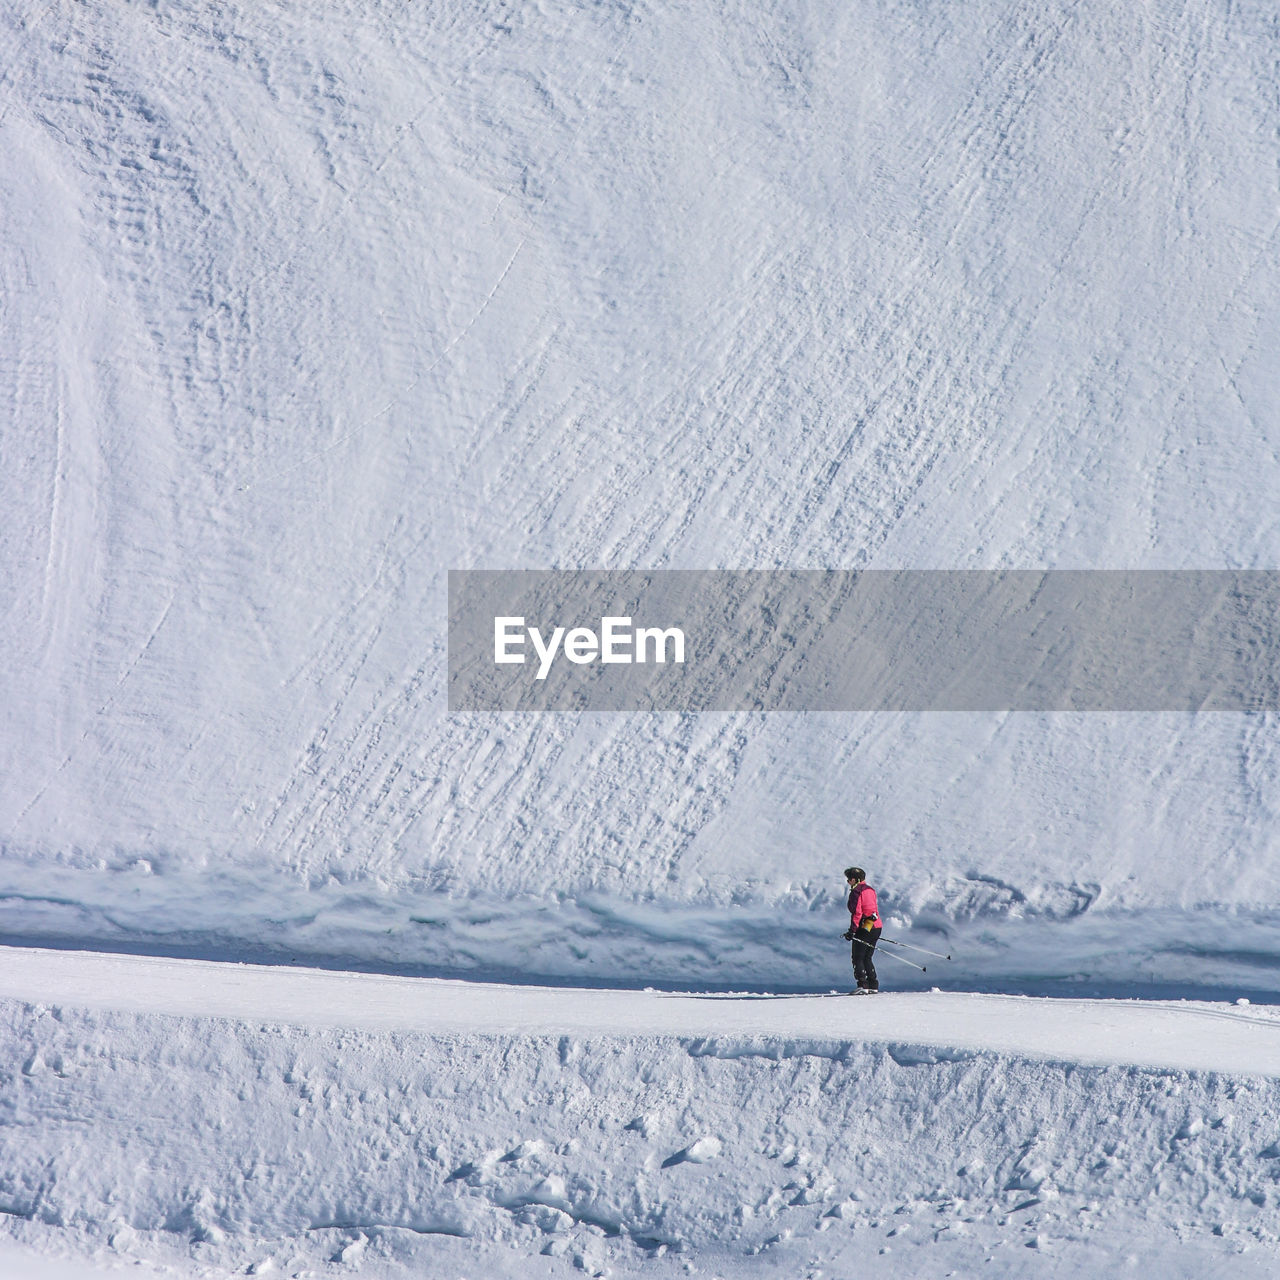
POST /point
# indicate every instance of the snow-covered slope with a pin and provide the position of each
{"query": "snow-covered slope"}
(302, 306)
(305, 306)
(324, 1122)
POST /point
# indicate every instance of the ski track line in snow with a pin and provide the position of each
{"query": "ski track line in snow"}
(1096, 1032)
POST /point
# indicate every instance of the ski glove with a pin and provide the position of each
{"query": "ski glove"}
(848, 935)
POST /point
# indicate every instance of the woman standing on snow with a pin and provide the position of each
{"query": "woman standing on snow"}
(864, 931)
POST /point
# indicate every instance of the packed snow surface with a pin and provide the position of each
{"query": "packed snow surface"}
(1189, 1036)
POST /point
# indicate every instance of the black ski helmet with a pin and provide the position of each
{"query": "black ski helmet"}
(854, 873)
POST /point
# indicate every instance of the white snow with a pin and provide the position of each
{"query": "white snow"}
(302, 306)
(305, 306)
(218, 1118)
(1184, 1036)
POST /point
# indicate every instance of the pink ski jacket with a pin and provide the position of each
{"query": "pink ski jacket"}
(863, 907)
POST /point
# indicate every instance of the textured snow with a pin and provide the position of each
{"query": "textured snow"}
(218, 1118)
(305, 305)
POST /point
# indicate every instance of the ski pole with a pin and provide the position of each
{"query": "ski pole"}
(924, 950)
(893, 955)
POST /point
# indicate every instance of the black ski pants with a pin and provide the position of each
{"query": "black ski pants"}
(864, 945)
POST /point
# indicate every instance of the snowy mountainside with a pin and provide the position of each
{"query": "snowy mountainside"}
(304, 307)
